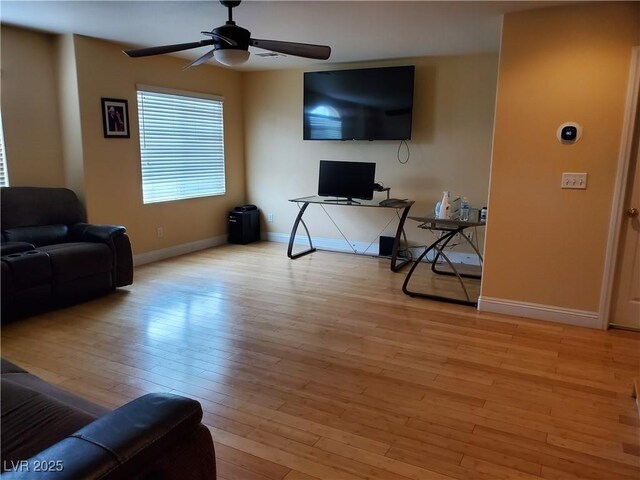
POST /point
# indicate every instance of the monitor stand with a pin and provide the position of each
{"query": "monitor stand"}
(348, 201)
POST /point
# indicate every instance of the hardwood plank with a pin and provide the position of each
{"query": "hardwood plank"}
(557, 457)
(294, 475)
(629, 420)
(597, 447)
(279, 456)
(379, 461)
(465, 444)
(335, 460)
(320, 368)
(251, 463)
(497, 472)
(231, 471)
(427, 461)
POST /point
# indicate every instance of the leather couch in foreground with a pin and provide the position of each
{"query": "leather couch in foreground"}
(50, 255)
(48, 433)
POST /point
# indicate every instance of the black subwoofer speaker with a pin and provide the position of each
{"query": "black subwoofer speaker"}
(386, 246)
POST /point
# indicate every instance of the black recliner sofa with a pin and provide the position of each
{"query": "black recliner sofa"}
(51, 256)
(49, 433)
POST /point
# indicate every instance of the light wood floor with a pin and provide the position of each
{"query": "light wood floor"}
(322, 368)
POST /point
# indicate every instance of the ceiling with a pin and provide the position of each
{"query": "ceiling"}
(356, 30)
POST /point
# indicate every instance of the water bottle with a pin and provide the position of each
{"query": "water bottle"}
(464, 210)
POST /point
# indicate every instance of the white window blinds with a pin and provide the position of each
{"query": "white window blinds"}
(181, 146)
(4, 175)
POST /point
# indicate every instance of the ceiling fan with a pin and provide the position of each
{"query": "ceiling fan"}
(231, 45)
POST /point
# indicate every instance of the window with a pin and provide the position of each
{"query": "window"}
(4, 174)
(181, 145)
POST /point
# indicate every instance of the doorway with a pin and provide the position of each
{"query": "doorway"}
(625, 291)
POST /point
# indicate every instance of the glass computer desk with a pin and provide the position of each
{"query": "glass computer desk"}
(401, 206)
(446, 230)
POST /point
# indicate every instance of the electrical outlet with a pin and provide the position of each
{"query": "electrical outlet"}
(270, 217)
(160, 232)
(574, 180)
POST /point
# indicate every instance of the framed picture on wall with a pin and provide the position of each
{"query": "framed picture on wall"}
(115, 118)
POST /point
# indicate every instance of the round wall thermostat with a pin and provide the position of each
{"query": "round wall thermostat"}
(569, 133)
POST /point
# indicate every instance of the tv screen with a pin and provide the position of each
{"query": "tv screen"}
(346, 180)
(362, 104)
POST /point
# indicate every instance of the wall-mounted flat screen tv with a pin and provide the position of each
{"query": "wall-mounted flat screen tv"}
(346, 180)
(361, 104)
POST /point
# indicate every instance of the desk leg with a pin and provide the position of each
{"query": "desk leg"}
(475, 248)
(454, 270)
(395, 266)
(460, 230)
(435, 245)
(440, 253)
(294, 230)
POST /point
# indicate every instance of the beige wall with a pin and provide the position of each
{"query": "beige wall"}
(29, 102)
(454, 102)
(546, 245)
(68, 149)
(112, 166)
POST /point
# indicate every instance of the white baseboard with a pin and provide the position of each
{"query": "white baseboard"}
(550, 313)
(324, 243)
(361, 247)
(177, 250)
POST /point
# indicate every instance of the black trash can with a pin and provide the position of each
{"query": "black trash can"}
(244, 224)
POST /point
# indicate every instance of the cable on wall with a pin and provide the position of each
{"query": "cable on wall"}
(406, 145)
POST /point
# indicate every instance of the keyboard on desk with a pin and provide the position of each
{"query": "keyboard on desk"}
(393, 202)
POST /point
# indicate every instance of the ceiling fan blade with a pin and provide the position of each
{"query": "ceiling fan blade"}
(145, 52)
(201, 60)
(307, 50)
(226, 40)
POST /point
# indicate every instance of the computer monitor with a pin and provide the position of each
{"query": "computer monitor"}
(346, 180)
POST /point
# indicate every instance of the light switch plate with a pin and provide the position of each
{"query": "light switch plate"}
(574, 180)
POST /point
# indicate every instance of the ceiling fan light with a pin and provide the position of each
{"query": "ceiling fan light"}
(231, 56)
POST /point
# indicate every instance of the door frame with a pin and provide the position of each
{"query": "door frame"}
(631, 115)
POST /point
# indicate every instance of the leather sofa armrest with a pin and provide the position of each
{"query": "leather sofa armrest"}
(116, 238)
(87, 232)
(7, 248)
(121, 444)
